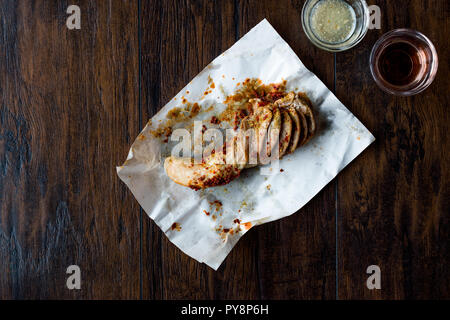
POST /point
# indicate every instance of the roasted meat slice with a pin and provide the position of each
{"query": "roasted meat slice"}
(305, 111)
(273, 132)
(286, 132)
(297, 129)
(199, 176)
(262, 119)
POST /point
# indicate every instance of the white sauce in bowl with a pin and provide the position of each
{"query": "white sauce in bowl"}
(333, 21)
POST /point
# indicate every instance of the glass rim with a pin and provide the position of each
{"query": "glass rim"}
(335, 47)
(409, 89)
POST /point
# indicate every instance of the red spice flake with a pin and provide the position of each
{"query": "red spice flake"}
(281, 170)
(203, 129)
(238, 84)
(226, 230)
(214, 120)
(212, 86)
(237, 220)
(206, 212)
(216, 203)
(176, 226)
(233, 78)
(206, 92)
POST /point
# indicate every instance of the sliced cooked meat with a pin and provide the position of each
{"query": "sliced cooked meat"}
(274, 132)
(241, 150)
(286, 100)
(262, 118)
(303, 106)
(296, 130)
(199, 176)
(286, 132)
(304, 127)
(279, 127)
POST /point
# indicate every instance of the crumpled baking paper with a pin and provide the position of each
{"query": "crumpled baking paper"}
(203, 223)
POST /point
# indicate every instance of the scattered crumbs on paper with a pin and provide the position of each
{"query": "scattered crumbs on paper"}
(176, 226)
(141, 137)
(281, 170)
(268, 187)
(358, 138)
(217, 204)
(247, 225)
(206, 212)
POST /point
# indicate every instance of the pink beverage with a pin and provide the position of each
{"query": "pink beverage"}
(403, 62)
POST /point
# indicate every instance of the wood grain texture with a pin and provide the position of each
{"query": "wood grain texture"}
(296, 255)
(72, 102)
(394, 199)
(68, 114)
(175, 48)
(292, 258)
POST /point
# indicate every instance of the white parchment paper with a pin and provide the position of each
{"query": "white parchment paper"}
(253, 198)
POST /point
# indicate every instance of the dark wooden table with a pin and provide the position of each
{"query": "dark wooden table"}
(72, 102)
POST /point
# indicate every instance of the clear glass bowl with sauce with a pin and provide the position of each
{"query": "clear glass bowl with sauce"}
(403, 62)
(335, 25)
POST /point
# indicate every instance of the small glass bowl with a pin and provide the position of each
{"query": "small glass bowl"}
(428, 60)
(361, 26)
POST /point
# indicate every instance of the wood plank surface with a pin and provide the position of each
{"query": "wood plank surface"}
(73, 101)
(296, 255)
(394, 199)
(292, 258)
(68, 114)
